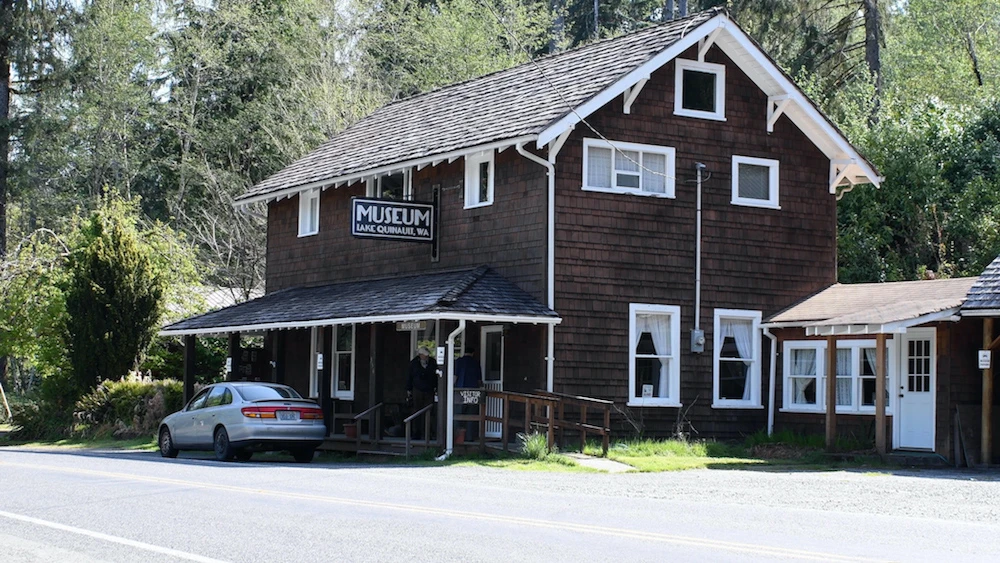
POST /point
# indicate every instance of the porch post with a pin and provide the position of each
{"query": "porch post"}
(831, 392)
(278, 373)
(234, 353)
(189, 343)
(326, 377)
(880, 383)
(987, 422)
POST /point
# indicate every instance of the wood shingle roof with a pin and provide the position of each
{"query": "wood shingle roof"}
(985, 294)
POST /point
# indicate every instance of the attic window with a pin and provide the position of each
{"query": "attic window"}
(479, 172)
(308, 212)
(398, 185)
(700, 90)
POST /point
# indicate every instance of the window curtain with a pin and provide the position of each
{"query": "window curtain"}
(658, 327)
(844, 382)
(740, 331)
(599, 167)
(803, 363)
(871, 359)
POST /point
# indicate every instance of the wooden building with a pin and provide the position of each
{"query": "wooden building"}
(613, 221)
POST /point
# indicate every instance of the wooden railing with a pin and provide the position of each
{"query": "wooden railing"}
(425, 412)
(374, 415)
(544, 410)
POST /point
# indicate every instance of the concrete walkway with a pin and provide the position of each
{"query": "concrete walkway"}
(599, 463)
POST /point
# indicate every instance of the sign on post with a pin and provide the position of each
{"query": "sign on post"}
(395, 220)
(985, 359)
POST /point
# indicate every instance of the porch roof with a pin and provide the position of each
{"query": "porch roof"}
(873, 308)
(478, 294)
(984, 297)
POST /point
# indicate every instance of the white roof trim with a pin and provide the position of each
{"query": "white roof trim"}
(981, 312)
(624, 83)
(514, 319)
(433, 160)
(859, 169)
(897, 327)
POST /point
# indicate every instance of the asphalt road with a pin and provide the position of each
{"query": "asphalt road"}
(113, 506)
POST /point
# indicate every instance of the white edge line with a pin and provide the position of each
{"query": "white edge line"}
(106, 537)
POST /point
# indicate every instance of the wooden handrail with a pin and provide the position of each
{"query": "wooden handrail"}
(554, 419)
(427, 427)
(575, 397)
(361, 415)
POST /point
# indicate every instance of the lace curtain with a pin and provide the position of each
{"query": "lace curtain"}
(658, 327)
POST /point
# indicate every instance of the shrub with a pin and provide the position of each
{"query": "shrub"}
(534, 446)
(34, 419)
(127, 408)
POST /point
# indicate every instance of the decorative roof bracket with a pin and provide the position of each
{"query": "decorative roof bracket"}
(705, 44)
(631, 94)
(775, 107)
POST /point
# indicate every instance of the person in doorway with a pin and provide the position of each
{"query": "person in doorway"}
(469, 375)
(421, 382)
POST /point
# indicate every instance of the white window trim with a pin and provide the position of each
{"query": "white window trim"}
(472, 162)
(335, 366)
(373, 186)
(680, 65)
(306, 226)
(820, 346)
(772, 166)
(754, 402)
(668, 152)
(674, 391)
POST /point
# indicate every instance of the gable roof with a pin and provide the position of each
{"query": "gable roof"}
(870, 308)
(984, 296)
(538, 101)
(474, 294)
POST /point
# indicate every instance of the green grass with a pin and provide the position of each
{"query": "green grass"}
(143, 444)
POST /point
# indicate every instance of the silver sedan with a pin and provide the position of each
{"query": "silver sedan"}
(235, 419)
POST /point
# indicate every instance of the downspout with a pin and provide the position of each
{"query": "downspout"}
(450, 399)
(697, 254)
(550, 268)
(770, 380)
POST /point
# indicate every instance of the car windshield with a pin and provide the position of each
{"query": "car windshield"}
(252, 393)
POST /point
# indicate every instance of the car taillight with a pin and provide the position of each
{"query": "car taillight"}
(271, 412)
(312, 414)
(259, 412)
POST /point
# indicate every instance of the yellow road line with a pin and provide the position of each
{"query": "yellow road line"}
(464, 514)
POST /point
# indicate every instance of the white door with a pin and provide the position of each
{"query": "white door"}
(916, 390)
(491, 358)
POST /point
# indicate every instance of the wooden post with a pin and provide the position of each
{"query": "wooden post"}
(326, 375)
(189, 367)
(831, 393)
(880, 383)
(372, 365)
(278, 355)
(234, 353)
(987, 443)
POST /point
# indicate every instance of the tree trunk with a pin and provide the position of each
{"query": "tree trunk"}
(970, 47)
(873, 49)
(6, 30)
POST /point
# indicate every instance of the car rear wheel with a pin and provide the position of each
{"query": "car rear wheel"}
(244, 455)
(303, 455)
(167, 448)
(223, 449)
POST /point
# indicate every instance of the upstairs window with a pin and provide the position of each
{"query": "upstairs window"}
(700, 90)
(755, 182)
(628, 168)
(479, 172)
(308, 212)
(398, 185)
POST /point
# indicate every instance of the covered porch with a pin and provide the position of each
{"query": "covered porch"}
(349, 346)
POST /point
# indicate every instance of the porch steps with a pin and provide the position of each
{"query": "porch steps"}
(917, 459)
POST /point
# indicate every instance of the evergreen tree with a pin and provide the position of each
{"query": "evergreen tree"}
(114, 295)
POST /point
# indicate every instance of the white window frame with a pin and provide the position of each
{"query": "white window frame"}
(856, 347)
(373, 187)
(668, 152)
(335, 391)
(754, 401)
(772, 166)
(309, 215)
(680, 65)
(674, 387)
(472, 162)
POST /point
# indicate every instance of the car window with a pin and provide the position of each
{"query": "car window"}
(215, 397)
(227, 397)
(263, 392)
(199, 400)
